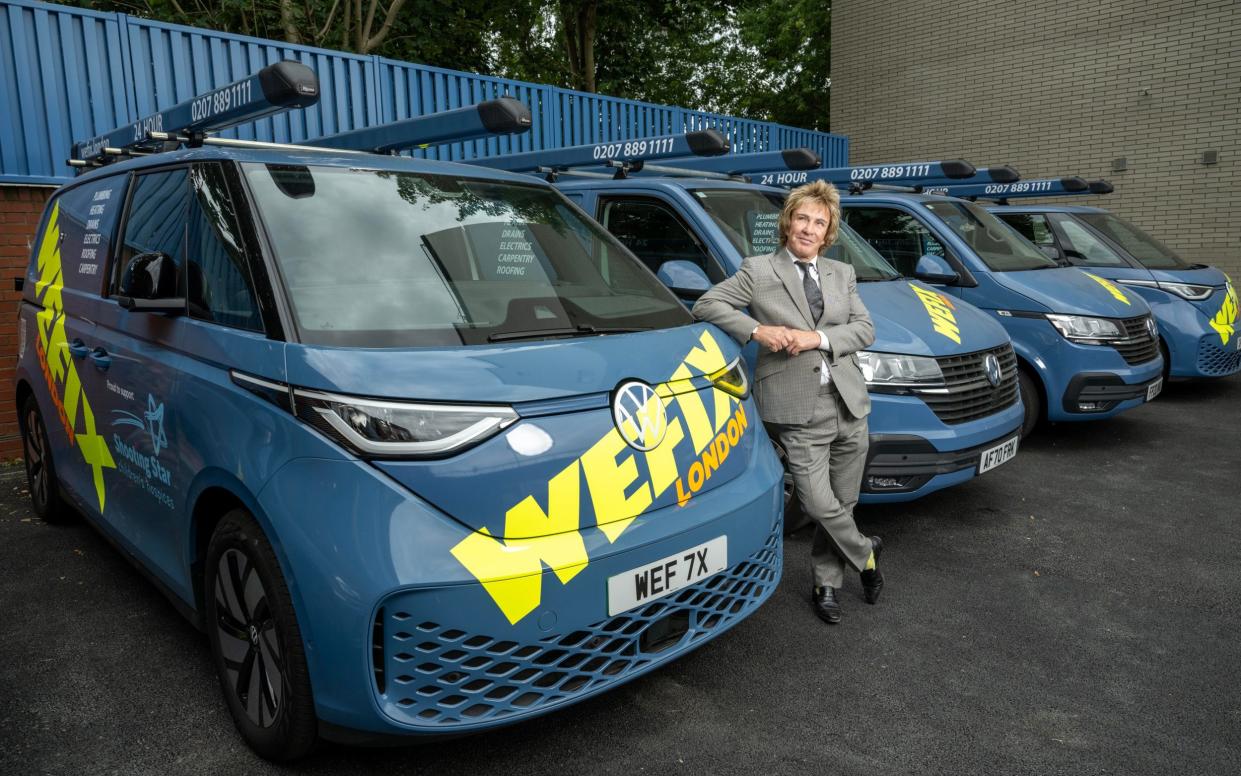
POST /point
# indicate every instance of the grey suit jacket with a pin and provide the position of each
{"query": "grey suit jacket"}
(771, 287)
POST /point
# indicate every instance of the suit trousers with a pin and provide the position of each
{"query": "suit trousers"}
(826, 457)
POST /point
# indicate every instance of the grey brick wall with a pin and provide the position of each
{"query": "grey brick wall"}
(1059, 87)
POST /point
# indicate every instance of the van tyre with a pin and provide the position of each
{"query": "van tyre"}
(255, 641)
(1031, 400)
(40, 471)
(794, 518)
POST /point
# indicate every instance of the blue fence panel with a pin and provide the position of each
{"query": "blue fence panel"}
(172, 63)
(63, 76)
(67, 74)
(407, 90)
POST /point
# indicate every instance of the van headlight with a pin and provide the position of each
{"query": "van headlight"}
(896, 370)
(1084, 329)
(374, 427)
(732, 379)
(1193, 293)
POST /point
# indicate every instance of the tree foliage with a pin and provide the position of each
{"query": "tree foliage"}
(763, 59)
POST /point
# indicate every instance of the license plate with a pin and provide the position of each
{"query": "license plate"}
(1001, 453)
(668, 575)
(1154, 388)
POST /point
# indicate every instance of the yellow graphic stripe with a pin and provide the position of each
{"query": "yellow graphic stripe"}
(58, 368)
(1112, 288)
(1225, 321)
(511, 569)
(939, 307)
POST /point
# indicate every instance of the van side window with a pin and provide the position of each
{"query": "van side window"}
(87, 219)
(655, 234)
(188, 215)
(1035, 228)
(1084, 248)
(901, 238)
(219, 286)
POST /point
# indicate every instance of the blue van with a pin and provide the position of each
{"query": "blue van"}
(422, 448)
(1086, 347)
(1195, 305)
(942, 375)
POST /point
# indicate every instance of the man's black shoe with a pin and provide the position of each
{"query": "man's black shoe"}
(825, 604)
(872, 579)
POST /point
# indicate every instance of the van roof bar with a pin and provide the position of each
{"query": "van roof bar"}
(900, 173)
(983, 176)
(702, 142)
(731, 165)
(500, 116)
(1039, 187)
(278, 87)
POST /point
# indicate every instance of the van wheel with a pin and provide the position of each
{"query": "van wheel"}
(794, 518)
(255, 641)
(1030, 400)
(40, 472)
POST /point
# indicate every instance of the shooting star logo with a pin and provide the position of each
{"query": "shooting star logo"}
(151, 421)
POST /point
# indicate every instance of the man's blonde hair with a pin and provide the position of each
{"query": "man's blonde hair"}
(816, 192)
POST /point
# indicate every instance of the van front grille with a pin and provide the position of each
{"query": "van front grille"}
(1139, 346)
(967, 393)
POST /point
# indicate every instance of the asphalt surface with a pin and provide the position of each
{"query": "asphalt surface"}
(1075, 611)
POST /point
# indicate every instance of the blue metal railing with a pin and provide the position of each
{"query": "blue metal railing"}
(67, 74)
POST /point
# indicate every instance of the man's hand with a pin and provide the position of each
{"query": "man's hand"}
(774, 338)
(801, 341)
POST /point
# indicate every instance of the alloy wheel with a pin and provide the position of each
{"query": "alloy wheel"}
(249, 642)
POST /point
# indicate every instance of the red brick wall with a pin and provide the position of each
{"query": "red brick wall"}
(20, 209)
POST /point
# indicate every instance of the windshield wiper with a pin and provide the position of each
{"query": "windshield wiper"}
(581, 330)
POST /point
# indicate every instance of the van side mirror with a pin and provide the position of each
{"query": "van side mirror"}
(149, 285)
(935, 269)
(684, 278)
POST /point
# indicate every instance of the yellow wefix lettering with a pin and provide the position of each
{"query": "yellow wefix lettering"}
(1225, 320)
(1112, 288)
(701, 430)
(662, 462)
(939, 308)
(511, 571)
(59, 371)
(608, 480)
(707, 358)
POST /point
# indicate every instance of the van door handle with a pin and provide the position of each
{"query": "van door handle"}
(78, 348)
(101, 358)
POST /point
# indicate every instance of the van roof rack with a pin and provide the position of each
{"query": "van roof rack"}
(1002, 174)
(1038, 187)
(501, 116)
(902, 173)
(278, 87)
(702, 142)
(745, 164)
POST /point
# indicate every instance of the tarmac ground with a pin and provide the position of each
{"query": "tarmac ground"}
(1075, 611)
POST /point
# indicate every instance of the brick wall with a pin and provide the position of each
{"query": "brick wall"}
(20, 209)
(1059, 87)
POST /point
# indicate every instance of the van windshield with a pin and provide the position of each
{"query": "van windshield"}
(1149, 252)
(1000, 247)
(751, 221)
(372, 258)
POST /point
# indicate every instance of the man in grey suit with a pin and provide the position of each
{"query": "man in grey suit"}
(805, 314)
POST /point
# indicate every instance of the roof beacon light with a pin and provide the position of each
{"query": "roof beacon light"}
(502, 116)
(702, 142)
(904, 173)
(275, 88)
(1038, 187)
